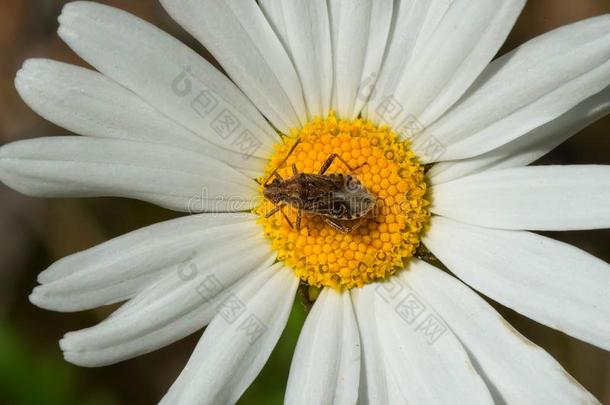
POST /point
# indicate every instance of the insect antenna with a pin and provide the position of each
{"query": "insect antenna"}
(274, 173)
(280, 209)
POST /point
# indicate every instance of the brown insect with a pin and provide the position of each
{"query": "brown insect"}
(339, 198)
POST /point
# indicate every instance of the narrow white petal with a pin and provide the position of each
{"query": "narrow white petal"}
(519, 373)
(237, 343)
(375, 384)
(166, 74)
(456, 51)
(465, 41)
(325, 367)
(530, 147)
(420, 352)
(349, 25)
(548, 281)
(237, 33)
(173, 178)
(274, 12)
(122, 267)
(360, 29)
(309, 44)
(527, 88)
(413, 22)
(88, 103)
(182, 302)
(382, 12)
(553, 198)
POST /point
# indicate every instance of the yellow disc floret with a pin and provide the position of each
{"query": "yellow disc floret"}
(377, 245)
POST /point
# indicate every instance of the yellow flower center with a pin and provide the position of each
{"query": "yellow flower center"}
(330, 250)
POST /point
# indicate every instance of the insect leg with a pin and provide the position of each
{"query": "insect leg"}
(273, 211)
(280, 208)
(294, 169)
(357, 225)
(299, 216)
(286, 217)
(336, 225)
(275, 173)
(329, 161)
(331, 158)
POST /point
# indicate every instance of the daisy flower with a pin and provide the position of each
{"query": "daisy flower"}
(420, 144)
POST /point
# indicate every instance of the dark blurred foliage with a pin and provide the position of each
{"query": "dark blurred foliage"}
(35, 232)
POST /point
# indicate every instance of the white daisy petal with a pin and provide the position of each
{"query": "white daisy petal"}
(530, 147)
(120, 268)
(520, 373)
(382, 12)
(456, 51)
(76, 166)
(349, 27)
(274, 12)
(180, 303)
(552, 198)
(548, 281)
(419, 351)
(166, 74)
(241, 39)
(360, 30)
(309, 44)
(527, 88)
(412, 24)
(88, 103)
(237, 343)
(375, 384)
(326, 364)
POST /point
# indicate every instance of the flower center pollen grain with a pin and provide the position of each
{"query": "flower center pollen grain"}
(381, 243)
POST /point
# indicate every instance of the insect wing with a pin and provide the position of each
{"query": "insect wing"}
(335, 196)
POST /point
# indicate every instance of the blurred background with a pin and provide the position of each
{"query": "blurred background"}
(34, 233)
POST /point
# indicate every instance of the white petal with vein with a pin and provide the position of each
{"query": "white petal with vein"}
(166, 74)
(242, 40)
(421, 354)
(237, 343)
(122, 267)
(274, 12)
(183, 301)
(88, 103)
(557, 198)
(519, 373)
(360, 30)
(96, 167)
(309, 44)
(375, 384)
(465, 41)
(458, 47)
(527, 88)
(325, 367)
(413, 22)
(531, 146)
(548, 281)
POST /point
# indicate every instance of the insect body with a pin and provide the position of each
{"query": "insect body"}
(336, 197)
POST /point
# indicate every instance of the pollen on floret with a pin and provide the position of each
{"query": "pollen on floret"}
(383, 241)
